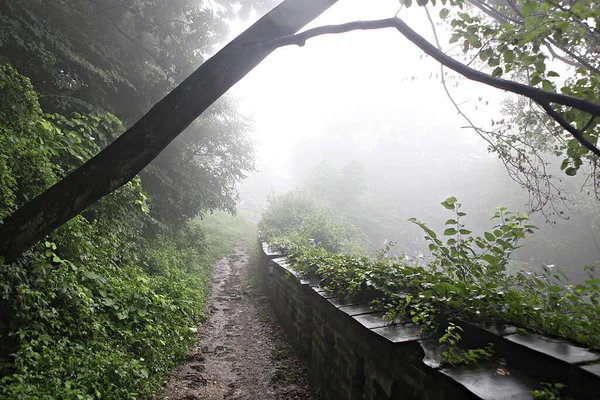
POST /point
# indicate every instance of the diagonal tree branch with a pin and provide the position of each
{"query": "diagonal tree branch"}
(580, 61)
(542, 97)
(541, 190)
(119, 162)
(570, 128)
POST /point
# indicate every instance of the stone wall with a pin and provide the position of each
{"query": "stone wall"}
(354, 354)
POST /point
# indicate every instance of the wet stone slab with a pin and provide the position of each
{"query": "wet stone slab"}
(359, 309)
(554, 348)
(283, 263)
(270, 251)
(373, 320)
(345, 301)
(497, 328)
(313, 281)
(492, 381)
(321, 292)
(400, 333)
(593, 369)
(433, 352)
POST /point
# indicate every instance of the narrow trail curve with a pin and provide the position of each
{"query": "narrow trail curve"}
(241, 352)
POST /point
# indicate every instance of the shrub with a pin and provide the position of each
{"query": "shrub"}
(94, 310)
(298, 217)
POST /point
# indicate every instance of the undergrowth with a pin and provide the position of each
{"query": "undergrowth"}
(96, 310)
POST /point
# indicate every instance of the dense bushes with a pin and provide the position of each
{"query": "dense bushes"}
(298, 216)
(465, 276)
(96, 310)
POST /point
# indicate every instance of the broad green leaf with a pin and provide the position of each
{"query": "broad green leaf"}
(509, 56)
(535, 80)
(571, 171)
(490, 258)
(540, 66)
(450, 232)
(529, 8)
(449, 203)
(547, 85)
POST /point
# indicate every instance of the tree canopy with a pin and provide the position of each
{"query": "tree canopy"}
(122, 57)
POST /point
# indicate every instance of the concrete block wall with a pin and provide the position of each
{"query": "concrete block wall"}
(354, 354)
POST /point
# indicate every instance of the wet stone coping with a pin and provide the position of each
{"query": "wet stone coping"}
(524, 359)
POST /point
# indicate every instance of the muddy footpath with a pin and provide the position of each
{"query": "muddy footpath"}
(241, 352)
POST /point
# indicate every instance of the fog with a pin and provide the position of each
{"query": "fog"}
(372, 100)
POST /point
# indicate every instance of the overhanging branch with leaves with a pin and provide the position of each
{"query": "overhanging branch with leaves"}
(543, 97)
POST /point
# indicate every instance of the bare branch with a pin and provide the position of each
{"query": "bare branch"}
(501, 18)
(498, 16)
(588, 124)
(539, 186)
(570, 128)
(559, 57)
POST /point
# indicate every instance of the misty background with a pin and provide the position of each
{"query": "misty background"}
(362, 121)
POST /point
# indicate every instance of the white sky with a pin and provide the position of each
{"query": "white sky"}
(362, 82)
(301, 92)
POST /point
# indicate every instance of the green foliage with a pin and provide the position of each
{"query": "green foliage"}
(39, 149)
(521, 43)
(454, 355)
(201, 169)
(106, 325)
(549, 391)
(123, 58)
(297, 217)
(224, 231)
(119, 57)
(461, 280)
(24, 106)
(467, 257)
(547, 44)
(95, 311)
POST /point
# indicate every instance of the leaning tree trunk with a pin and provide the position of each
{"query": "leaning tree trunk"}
(118, 163)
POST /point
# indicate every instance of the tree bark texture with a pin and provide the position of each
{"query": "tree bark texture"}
(118, 163)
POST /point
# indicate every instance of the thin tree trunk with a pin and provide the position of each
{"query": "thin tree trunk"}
(118, 163)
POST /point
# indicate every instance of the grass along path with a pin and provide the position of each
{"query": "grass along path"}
(241, 352)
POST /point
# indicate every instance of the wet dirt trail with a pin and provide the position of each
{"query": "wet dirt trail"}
(241, 352)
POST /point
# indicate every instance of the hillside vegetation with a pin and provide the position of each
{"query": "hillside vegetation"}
(99, 309)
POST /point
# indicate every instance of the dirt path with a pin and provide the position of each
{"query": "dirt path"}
(241, 353)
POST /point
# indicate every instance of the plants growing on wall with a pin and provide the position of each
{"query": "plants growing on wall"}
(466, 276)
